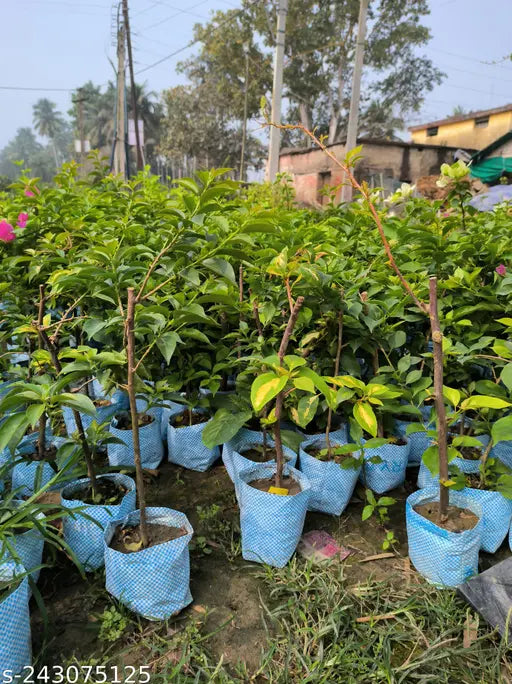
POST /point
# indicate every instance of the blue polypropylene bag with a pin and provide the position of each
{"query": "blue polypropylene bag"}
(84, 537)
(419, 441)
(16, 642)
(103, 414)
(235, 461)
(168, 409)
(503, 451)
(497, 511)
(271, 525)
(153, 582)
(331, 485)
(27, 548)
(442, 557)
(151, 446)
(390, 472)
(27, 473)
(186, 448)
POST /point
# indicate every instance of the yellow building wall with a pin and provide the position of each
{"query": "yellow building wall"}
(466, 134)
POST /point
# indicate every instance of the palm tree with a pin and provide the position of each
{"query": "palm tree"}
(48, 122)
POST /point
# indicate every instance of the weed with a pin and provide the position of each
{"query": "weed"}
(113, 624)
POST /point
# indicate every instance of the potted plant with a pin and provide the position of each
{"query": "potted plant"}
(274, 498)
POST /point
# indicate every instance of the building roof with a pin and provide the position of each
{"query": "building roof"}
(482, 154)
(462, 117)
(372, 141)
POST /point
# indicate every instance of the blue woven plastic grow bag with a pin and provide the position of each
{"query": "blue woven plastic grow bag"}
(186, 448)
(418, 441)
(331, 485)
(151, 446)
(153, 582)
(442, 557)
(271, 525)
(103, 415)
(27, 473)
(390, 472)
(27, 548)
(15, 641)
(85, 537)
(235, 461)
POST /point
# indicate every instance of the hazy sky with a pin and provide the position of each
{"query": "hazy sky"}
(63, 43)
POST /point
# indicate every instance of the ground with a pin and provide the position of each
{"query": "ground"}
(249, 623)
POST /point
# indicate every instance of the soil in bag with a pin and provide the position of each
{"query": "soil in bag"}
(186, 420)
(124, 420)
(459, 519)
(265, 483)
(321, 454)
(107, 492)
(258, 454)
(128, 539)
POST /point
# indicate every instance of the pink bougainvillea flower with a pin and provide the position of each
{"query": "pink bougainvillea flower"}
(501, 270)
(29, 193)
(6, 231)
(22, 220)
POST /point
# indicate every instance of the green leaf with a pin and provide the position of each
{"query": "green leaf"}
(397, 339)
(404, 363)
(305, 411)
(33, 413)
(466, 441)
(503, 349)
(501, 431)
(279, 265)
(166, 343)
(220, 267)
(294, 361)
(480, 401)
(223, 426)
(304, 383)
(12, 430)
(452, 395)
(375, 443)
(386, 501)
(413, 376)
(367, 512)
(431, 459)
(266, 387)
(366, 418)
(77, 401)
(506, 376)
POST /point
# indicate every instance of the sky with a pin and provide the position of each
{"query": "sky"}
(60, 44)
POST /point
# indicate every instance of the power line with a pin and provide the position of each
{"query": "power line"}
(471, 59)
(196, 40)
(176, 14)
(49, 90)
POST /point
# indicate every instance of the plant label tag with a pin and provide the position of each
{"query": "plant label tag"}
(280, 491)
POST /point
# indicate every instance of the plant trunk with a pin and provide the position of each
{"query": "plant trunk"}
(280, 397)
(437, 340)
(376, 370)
(336, 373)
(41, 439)
(130, 352)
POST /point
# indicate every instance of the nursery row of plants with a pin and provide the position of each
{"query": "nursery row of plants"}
(309, 350)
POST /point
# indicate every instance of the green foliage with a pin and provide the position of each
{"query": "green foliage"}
(113, 624)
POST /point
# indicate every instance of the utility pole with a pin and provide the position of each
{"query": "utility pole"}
(140, 162)
(81, 127)
(120, 140)
(351, 142)
(277, 92)
(244, 122)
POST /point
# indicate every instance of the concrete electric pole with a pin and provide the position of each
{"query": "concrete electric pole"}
(120, 141)
(244, 122)
(140, 161)
(346, 192)
(277, 92)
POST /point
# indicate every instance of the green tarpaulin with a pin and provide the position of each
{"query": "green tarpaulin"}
(490, 169)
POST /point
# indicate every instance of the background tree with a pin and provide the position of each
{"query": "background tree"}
(25, 146)
(48, 122)
(320, 45)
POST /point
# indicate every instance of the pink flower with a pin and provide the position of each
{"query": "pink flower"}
(22, 220)
(501, 270)
(6, 231)
(29, 193)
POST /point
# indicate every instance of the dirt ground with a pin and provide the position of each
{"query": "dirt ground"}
(228, 597)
